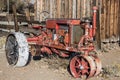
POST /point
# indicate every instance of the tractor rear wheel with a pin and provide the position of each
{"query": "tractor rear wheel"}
(17, 49)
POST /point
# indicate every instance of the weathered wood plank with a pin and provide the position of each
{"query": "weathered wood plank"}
(58, 8)
(91, 7)
(35, 10)
(66, 8)
(83, 8)
(103, 18)
(63, 9)
(118, 18)
(111, 18)
(54, 8)
(74, 15)
(70, 8)
(115, 18)
(108, 19)
(78, 9)
(51, 8)
(98, 37)
(40, 10)
(88, 9)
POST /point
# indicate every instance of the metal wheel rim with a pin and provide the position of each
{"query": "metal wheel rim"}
(98, 64)
(75, 65)
(92, 65)
(11, 49)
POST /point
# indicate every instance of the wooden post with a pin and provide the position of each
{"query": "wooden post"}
(98, 37)
(15, 17)
(103, 18)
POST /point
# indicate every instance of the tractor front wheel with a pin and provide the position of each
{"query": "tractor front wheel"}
(82, 65)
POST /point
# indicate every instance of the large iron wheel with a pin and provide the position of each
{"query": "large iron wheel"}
(12, 50)
(82, 66)
(17, 50)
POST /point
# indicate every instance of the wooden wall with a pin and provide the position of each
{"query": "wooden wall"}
(107, 28)
(64, 8)
(2, 4)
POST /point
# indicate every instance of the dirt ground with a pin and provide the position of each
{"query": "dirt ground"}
(56, 68)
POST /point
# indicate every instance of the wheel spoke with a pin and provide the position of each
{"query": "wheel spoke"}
(78, 60)
(79, 72)
(86, 67)
(84, 72)
(83, 62)
(77, 66)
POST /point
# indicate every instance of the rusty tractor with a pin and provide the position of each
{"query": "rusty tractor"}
(64, 37)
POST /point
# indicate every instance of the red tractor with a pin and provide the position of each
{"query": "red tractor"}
(64, 37)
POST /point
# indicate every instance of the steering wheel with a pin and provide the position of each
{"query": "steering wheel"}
(44, 15)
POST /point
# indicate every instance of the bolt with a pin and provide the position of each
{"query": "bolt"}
(81, 67)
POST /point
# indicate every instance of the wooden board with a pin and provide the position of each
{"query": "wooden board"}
(103, 19)
(115, 18)
(66, 8)
(111, 18)
(58, 8)
(70, 8)
(78, 9)
(108, 19)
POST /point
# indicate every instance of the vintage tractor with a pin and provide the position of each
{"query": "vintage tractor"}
(64, 37)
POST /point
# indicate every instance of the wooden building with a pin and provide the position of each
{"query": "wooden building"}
(108, 14)
(2, 4)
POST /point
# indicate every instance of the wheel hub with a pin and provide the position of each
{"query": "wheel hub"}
(81, 67)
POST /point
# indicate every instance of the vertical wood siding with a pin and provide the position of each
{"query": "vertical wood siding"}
(108, 13)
